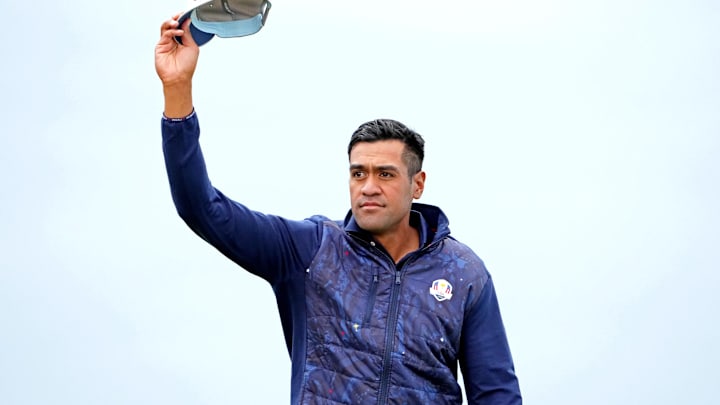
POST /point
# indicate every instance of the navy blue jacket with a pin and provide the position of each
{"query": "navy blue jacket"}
(359, 328)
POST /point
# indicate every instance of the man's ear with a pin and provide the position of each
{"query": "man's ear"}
(418, 184)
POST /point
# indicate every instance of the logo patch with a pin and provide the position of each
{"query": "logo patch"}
(441, 289)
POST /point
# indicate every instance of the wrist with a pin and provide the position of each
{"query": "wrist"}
(178, 99)
(166, 118)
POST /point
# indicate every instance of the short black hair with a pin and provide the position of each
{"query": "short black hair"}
(388, 129)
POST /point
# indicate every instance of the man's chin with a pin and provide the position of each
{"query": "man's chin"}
(366, 224)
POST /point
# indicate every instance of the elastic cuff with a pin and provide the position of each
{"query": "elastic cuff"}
(165, 118)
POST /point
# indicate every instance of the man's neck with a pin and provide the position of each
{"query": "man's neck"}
(399, 244)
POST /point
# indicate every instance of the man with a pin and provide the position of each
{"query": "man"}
(379, 308)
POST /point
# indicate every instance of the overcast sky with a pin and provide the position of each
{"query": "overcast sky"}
(573, 145)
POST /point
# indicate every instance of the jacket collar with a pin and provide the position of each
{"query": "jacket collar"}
(429, 220)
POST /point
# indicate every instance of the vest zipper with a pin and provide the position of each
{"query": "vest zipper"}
(390, 329)
(391, 325)
(371, 299)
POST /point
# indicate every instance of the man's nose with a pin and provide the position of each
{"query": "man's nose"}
(370, 186)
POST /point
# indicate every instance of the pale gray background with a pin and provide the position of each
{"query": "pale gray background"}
(574, 146)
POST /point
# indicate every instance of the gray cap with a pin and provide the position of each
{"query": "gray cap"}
(225, 18)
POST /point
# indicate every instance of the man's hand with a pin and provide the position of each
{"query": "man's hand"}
(175, 65)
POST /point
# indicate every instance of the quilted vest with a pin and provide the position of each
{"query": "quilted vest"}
(378, 333)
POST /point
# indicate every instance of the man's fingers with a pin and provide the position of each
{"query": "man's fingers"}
(168, 25)
(172, 33)
(187, 38)
(170, 29)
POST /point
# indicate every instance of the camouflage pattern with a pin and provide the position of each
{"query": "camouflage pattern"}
(375, 333)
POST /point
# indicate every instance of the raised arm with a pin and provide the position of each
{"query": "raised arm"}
(175, 65)
(269, 246)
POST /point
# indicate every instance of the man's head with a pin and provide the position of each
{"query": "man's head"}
(386, 129)
(385, 175)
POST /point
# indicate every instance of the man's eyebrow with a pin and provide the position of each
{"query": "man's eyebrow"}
(387, 168)
(381, 168)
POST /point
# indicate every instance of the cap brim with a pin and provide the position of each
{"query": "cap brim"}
(228, 29)
(232, 18)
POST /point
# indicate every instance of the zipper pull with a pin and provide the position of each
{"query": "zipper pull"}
(397, 277)
(375, 278)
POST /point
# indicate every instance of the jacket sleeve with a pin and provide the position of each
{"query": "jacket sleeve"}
(268, 246)
(485, 359)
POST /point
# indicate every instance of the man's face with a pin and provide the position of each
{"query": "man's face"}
(381, 191)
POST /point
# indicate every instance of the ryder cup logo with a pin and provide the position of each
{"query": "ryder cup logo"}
(441, 290)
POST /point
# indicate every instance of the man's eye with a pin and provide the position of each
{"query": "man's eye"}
(385, 174)
(357, 174)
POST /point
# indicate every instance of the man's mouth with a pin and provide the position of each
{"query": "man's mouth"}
(370, 204)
